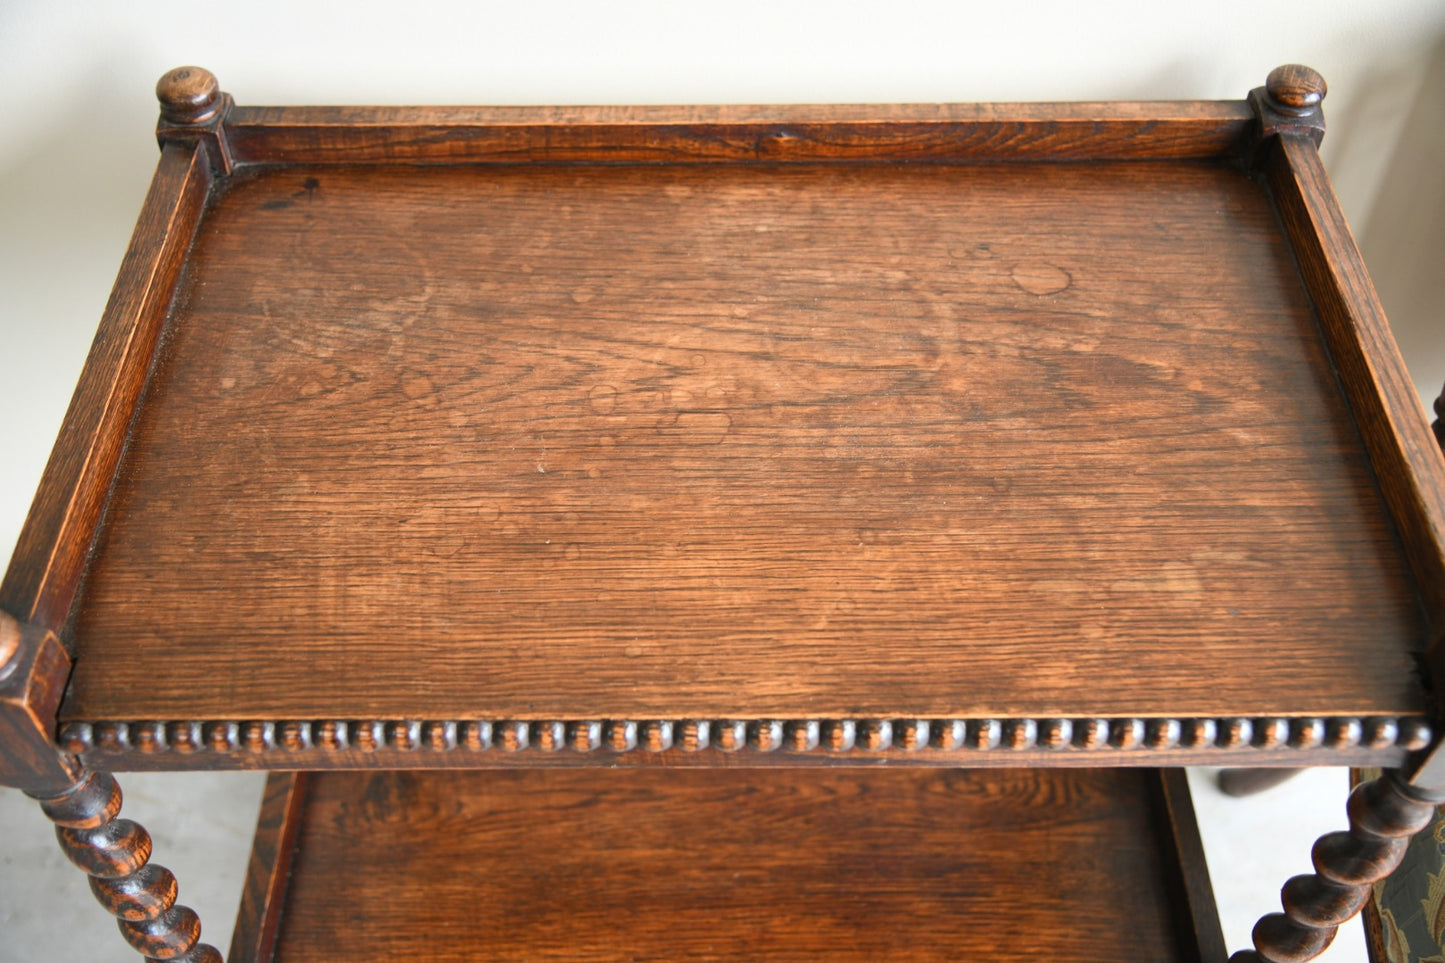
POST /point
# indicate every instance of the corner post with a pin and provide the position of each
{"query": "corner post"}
(1383, 813)
(34, 668)
(193, 109)
(1289, 102)
(114, 852)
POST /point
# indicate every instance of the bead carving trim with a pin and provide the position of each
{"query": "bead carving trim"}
(834, 737)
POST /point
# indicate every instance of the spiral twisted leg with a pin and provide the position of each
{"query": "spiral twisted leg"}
(116, 853)
(1384, 814)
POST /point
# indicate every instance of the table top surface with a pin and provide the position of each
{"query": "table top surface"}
(691, 441)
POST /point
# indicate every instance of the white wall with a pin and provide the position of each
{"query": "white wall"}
(78, 112)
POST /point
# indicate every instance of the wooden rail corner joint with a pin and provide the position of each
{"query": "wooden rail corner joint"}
(193, 110)
(83, 804)
(34, 667)
(1289, 103)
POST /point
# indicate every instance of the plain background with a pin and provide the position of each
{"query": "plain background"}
(78, 150)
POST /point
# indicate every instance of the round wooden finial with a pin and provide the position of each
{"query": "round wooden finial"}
(1295, 88)
(189, 95)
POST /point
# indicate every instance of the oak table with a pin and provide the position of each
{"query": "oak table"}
(733, 532)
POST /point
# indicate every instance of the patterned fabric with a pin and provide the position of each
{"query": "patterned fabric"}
(1405, 918)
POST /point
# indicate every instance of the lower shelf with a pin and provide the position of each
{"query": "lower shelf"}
(728, 864)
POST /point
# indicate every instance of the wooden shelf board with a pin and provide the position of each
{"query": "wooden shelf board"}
(728, 865)
(722, 441)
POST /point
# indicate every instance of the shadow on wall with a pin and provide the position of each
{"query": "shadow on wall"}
(1404, 239)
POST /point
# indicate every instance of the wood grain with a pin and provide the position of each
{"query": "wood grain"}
(263, 897)
(889, 441)
(1186, 873)
(32, 683)
(722, 865)
(1406, 456)
(768, 134)
(49, 558)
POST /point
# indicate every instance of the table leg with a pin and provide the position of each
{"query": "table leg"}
(116, 853)
(1384, 813)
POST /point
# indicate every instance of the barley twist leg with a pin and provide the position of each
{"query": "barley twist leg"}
(116, 853)
(1384, 813)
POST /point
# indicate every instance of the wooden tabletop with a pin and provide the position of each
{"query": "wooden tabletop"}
(693, 441)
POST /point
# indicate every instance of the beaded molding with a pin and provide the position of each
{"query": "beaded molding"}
(759, 735)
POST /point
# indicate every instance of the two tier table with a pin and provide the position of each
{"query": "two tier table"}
(731, 533)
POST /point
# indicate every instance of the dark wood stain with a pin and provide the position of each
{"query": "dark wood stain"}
(770, 462)
(116, 853)
(738, 134)
(1384, 813)
(33, 674)
(739, 743)
(1185, 875)
(718, 865)
(717, 441)
(263, 898)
